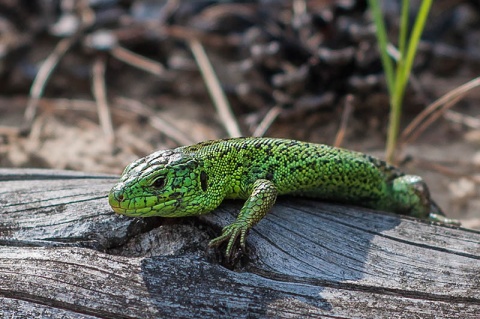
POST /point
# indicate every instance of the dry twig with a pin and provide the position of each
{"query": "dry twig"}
(436, 109)
(100, 94)
(463, 119)
(41, 79)
(63, 104)
(347, 110)
(445, 170)
(214, 88)
(156, 122)
(138, 61)
(267, 121)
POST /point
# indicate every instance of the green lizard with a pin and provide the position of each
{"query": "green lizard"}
(193, 180)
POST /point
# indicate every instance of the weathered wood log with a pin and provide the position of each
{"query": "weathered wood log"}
(65, 254)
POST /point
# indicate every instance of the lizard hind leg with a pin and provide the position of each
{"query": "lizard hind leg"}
(411, 196)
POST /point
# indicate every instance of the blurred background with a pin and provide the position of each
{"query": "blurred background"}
(92, 85)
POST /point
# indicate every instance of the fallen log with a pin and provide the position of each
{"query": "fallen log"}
(65, 254)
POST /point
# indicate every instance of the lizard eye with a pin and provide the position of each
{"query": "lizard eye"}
(159, 182)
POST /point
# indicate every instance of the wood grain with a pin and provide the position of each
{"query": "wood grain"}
(64, 254)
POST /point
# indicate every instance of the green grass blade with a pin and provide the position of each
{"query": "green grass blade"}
(402, 39)
(382, 43)
(397, 78)
(404, 67)
(415, 38)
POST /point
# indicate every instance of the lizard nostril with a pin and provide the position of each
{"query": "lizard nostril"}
(120, 198)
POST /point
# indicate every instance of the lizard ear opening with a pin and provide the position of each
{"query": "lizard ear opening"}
(204, 181)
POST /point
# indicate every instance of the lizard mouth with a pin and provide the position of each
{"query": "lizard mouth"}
(121, 206)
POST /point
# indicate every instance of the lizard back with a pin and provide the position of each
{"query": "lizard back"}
(295, 167)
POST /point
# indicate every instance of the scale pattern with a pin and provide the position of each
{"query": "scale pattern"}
(195, 179)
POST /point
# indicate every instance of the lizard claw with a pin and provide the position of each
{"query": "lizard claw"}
(231, 233)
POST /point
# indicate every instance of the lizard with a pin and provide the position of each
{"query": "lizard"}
(193, 180)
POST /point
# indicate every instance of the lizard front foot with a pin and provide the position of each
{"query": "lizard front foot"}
(231, 233)
(261, 199)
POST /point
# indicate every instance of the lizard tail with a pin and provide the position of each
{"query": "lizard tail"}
(435, 209)
(437, 215)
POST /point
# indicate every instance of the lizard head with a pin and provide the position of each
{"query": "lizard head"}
(166, 183)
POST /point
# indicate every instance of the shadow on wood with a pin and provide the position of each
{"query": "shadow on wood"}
(64, 253)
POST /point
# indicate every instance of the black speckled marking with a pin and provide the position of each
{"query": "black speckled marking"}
(199, 177)
(204, 180)
(207, 172)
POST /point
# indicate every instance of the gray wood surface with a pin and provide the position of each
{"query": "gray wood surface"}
(64, 254)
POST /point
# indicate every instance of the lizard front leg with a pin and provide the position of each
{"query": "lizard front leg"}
(260, 201)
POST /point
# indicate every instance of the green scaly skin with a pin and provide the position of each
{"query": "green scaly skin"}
(194, 180)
